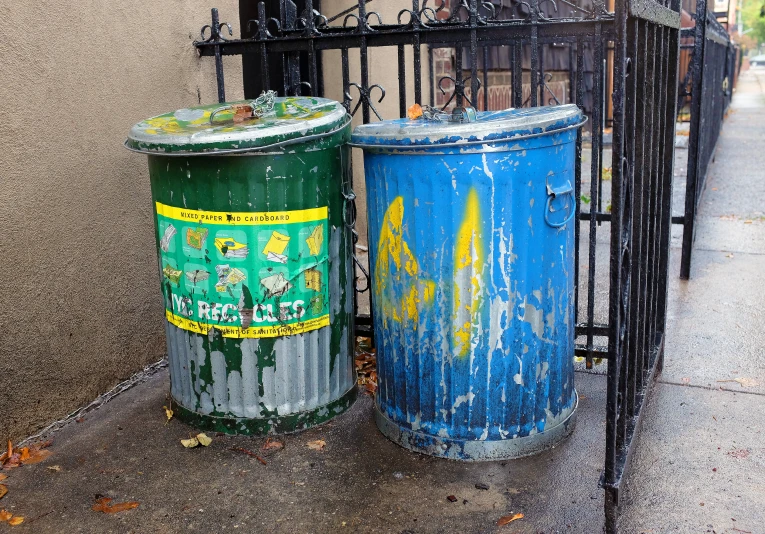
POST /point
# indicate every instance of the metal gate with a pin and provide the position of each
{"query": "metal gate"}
(636, 43)
(712, 74)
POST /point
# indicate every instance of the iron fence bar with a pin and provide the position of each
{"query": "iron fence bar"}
(431, 70)
(578, 180)
(611, 472)
(668, 177)
(517, 74)
(634, 93)
(658, 211)
(416, 57)
(646, 213)
(597, 95)
(401, 81)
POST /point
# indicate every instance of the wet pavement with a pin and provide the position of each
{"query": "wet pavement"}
(699, 464)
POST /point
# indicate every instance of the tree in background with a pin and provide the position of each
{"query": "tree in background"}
(753, 16)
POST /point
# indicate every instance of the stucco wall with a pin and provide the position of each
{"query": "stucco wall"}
(80, 305)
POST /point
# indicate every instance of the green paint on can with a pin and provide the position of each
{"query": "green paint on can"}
(254, 257)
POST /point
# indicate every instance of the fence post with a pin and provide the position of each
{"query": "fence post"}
(694, 144)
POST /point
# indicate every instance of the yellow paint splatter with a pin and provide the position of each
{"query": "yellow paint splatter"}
(393, 250)
(469, 262)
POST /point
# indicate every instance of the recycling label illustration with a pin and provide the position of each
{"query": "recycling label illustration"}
(246, 274)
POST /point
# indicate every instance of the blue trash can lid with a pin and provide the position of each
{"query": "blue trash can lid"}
(489, 126)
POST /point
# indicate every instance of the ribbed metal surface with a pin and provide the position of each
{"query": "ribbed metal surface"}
(301, 375)
(473, 297)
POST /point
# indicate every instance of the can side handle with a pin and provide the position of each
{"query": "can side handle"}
(553, 192)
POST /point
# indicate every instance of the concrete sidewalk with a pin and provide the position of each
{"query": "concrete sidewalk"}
(699, 464)
(700, 458)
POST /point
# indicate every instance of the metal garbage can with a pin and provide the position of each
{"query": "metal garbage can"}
(254, 254)
(472, 265)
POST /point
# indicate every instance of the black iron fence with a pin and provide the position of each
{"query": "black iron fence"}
(709, 85)
(623, 60)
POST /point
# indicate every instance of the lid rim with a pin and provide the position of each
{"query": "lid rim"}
(188, 131)
(490, 127)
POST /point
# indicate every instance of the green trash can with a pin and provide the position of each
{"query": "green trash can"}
(254, 251)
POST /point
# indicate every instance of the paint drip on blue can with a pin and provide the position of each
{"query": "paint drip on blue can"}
(472, 263)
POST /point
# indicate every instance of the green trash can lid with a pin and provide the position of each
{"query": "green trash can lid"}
(245, 126)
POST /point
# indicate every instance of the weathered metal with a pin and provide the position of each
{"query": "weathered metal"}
(472, 260)
(250, 203)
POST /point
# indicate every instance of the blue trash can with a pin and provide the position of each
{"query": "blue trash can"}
(472, 263)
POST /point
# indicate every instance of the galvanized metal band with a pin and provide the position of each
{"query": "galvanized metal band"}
(652, 11)
(431, 149)
(250, 151)
(476, 450)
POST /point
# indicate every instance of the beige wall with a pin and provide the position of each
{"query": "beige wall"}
(80, 305)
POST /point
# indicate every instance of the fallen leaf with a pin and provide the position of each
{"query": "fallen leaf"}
(317, 445)
(203, 439)
(508, 519)
(3, 477)
(271, 444)
(13, 461)
(3, 490)
(414, 112)
(743, 382)
(5, 515)
(24, 454)
(16, 520)
(249, 453)
(56, 468)
(102, 505)
(190, 443)
(10, 449)
(36, 456)
(168, 413)
(242, 112)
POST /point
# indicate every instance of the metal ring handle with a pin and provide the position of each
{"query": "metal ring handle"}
(548, 210)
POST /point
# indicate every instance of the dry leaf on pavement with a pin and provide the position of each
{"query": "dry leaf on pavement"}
(3, 490)
(508, 519)
(54, 468)
(168, 413)
(317, 445)
(743, 382)
(16, 520)
(199, 439)
(3, 477)
(5, 515)
(35, 456)
(271, 444)
(102, 505)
